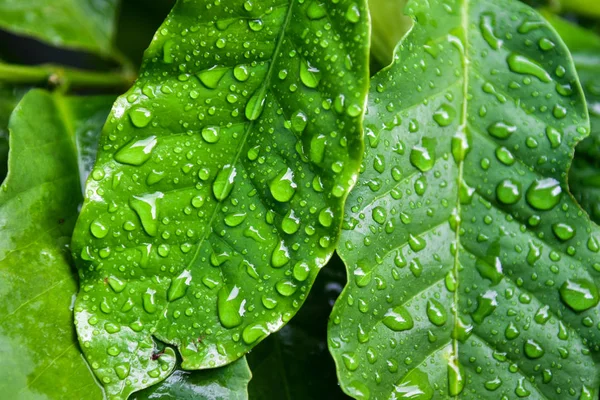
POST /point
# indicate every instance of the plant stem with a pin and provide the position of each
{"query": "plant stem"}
(63, 76)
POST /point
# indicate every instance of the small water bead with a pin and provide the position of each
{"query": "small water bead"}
(508, 191)
(140, 117)
(298, 122)
(223, 183)
(210, 134)
(579, 294)
(256, 24)
(98, 229)
(136, 152)
(501, 130)
(211, 77)
(511, 332)
(493, 384)
(283, 187)
(398, 319)
(309, 74)
(379, 215)
(544, 194)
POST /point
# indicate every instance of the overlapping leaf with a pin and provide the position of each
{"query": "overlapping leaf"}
(38, 208)
(81, 24)
(584, 175)
(472, 271)
(219, 185)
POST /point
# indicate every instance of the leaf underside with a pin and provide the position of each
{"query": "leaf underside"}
(219, 185)
(472, 271)
(38, 209)
(79, 24)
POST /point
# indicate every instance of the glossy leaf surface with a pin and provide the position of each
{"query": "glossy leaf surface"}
(219, 185)
(80, 24)
(39, 356)
(584, 175)
(225, 383)
(472, 271)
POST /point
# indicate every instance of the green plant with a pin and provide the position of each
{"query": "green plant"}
(182, 244)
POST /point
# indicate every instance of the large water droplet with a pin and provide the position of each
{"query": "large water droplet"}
(140, 117)
(229, 307)
(136, 152)
(309, 74)
(211, 77)
(523, 65)
(179, 285)
(579, 294)
(223, 183)
(283, 186)
(544, 194)
(508, 191)
(147, 210)
(255, 105)
(398, 319)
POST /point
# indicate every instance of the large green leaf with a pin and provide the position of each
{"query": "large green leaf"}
(39, 356)
(584, 175)
(80, 24)
(219, 185)
(472, 271)
(225, 383)
(294, 363)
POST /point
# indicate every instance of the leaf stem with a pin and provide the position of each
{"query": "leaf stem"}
(64, 77)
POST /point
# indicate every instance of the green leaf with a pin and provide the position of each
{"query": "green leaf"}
(226, 383)
(219, 185)
(294, 363)
(38, 209)
(472, 271)
(9, 97)
(388, 25)
(584, 175)
(587, 8)
(79, 24)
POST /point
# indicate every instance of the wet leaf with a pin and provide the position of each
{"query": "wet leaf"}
(225, 383)
(472, 271)
(79, 24)
(38, 209)
(219, 185)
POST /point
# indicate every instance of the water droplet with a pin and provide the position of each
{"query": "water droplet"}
(398, 319)
(147, 210)
(210, 134)
(223, 183)
(316, 10)
(487, 23)
(309, 74)
(98, 229)
(136, 152)
(149, 301)
(241, 73)
(579, 294)
(563, 231)
(456, 379)
(533, 349)
(280, 255)
(544, 194)
(415, 385)
(234, 219)
(511, 332)
(508, 191)
(140, 117)
(486, 304)
(283, 186)
(436, 312)
(179, 285)
(422, 158)
(523, 65)
(353, 13)
(501, 130)
(256, 104)
(290, 223)
(444, 115)
(229, 307)
(252, 333)
(211, 77)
